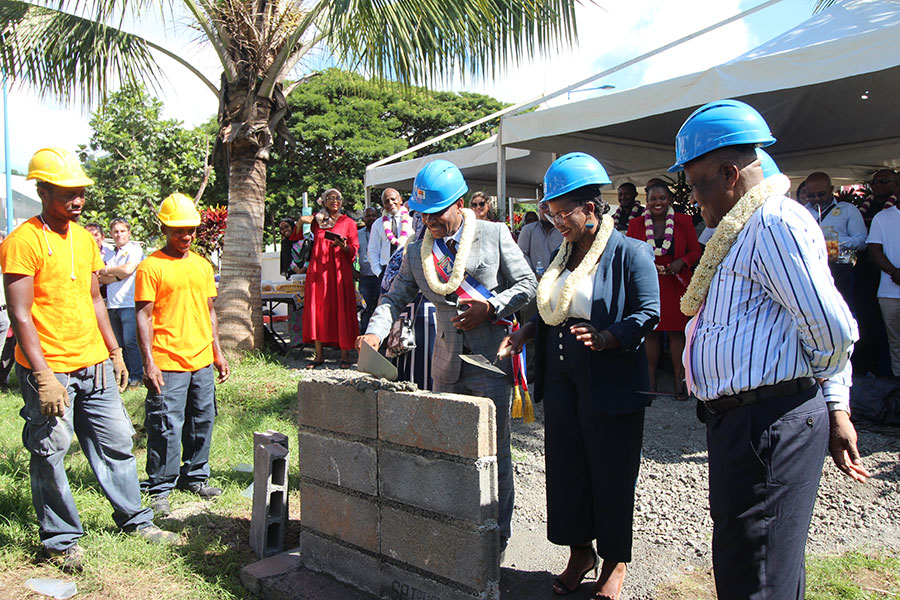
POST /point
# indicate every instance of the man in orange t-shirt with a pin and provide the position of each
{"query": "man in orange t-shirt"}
(68, 362)
(179, 340)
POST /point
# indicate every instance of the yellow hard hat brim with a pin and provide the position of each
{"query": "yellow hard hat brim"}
(73, 182)
(182, 223)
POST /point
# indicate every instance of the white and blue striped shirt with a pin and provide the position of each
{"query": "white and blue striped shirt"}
(772, 313)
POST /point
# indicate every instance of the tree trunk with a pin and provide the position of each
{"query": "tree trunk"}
(239, 305)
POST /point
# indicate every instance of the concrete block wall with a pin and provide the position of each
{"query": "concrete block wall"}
(399, 490)
(268, 520)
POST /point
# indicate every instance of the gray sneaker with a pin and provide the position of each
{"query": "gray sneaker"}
(154, 534)
(70, 560)
(160, 507)
(203, 490)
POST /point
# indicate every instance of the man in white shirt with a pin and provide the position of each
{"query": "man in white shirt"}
(845, 221)
(368, 279)
(884, 252)
(381, 244)
(538, 241)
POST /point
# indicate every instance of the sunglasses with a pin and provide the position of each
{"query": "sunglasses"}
(479, 204)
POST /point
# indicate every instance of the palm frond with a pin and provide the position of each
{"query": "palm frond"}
(70, 56)
(822, 5)
(423, 40)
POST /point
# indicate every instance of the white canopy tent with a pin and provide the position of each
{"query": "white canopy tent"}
(828, 89)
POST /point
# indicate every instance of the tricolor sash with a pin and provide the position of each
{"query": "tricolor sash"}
(471, 288)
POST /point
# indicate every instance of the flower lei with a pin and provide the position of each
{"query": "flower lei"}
(864, 207)
(459, 263)
(726, 233)
(636, 210)
(324, 220)
(548, 281)
(668, 234)
(405, 228)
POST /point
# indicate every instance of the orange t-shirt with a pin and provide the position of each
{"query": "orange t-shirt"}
(180, 289)
(63, 310)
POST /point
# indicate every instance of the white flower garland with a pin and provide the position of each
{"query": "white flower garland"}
(548, 281)
(636, 210)
(459, 263)
(726, 233)
(668, 233)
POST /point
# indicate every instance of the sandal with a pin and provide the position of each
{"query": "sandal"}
(561, 589)
(346, 364)
(315, 364)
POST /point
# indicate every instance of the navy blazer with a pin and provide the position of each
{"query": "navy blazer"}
(626, 302)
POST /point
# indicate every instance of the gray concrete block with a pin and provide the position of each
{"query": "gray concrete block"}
(449, 423)
(465, 491)
(338, 462)
(402, 584)
(348, 518)
(347, 565)
(468, 557)
(253, 575)
(339, 408)
(270, 436)
(268, 520)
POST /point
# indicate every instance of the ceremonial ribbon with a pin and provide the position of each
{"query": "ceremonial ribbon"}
(472, 289)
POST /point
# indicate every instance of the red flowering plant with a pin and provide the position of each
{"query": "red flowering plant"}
(211, 233)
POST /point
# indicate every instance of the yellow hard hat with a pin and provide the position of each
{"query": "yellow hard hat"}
(178, 211)
(59, 167)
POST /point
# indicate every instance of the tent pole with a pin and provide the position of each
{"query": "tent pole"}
(501, 170)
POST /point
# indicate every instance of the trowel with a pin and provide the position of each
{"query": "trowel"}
(481, 362)
(373, 363)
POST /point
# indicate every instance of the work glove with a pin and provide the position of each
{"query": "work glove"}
(52, 395)
(119, 369)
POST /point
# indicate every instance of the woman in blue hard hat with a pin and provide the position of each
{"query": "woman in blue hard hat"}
(597, 300)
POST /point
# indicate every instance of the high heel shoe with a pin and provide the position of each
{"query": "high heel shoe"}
(561, 589)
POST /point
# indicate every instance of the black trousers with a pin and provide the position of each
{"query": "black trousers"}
(765, 462)
(592, 458)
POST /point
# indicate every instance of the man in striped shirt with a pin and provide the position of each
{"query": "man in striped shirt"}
(767, 354)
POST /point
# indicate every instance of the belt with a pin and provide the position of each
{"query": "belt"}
(766, 392)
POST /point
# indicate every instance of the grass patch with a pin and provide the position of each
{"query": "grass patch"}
(260, 395)
(849, 576)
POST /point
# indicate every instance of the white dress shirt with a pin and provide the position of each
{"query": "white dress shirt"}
(845, 219)
(379, 248)
(772, 313)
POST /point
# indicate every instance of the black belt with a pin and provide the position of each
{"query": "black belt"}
(766, 392)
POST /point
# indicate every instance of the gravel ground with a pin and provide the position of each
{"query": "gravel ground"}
(672, 529)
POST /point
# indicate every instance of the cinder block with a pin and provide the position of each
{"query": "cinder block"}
(254, 574)
(338, 462)
(398, 583)
(449, 423)
(468, 557)
(465, 491)
(350, 519)
(345, 564)
(268, 520)
(339, 408)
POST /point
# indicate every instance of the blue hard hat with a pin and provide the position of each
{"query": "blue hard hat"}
(716, 125)
(438, 185)
(572, 171)
(768, 163)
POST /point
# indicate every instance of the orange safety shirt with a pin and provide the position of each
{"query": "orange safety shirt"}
(63, 309)
(180, 289)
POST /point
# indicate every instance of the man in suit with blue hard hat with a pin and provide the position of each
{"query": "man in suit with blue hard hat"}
(476, 277)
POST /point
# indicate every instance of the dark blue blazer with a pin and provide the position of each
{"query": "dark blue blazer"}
(626, 302)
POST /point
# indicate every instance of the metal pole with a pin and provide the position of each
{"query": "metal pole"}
(10, 221)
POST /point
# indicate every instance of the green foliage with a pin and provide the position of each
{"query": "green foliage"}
(136, 159)
(342, 122)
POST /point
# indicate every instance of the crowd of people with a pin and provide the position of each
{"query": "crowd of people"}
(758, 315)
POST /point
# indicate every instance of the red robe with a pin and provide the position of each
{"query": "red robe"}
(329, 311)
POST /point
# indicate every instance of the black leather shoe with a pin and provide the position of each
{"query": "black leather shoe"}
(203, 490)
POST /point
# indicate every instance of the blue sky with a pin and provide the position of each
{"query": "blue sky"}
(610, 32)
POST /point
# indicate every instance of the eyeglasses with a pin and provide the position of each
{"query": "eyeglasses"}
(558, 217)
(818, 194)
(479, 204)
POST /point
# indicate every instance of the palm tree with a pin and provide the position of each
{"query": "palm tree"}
(72, 48)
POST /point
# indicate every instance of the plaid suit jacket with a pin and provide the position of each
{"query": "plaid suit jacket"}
(497, 262)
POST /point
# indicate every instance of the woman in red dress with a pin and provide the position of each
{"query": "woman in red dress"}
(676, 249)
(329, 311)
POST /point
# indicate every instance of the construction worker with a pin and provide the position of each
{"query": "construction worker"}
(179, 340)
(68, 362)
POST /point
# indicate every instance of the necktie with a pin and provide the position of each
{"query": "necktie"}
(395, 226)
(451, 245)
